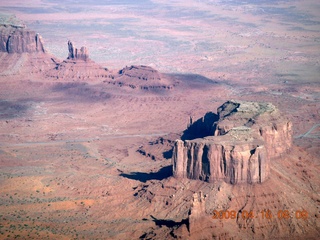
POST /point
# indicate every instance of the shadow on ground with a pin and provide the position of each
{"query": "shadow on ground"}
(168, 154)
(163, 173)
(81, 92)
(169, 223)
(194, 80)
(12, 109)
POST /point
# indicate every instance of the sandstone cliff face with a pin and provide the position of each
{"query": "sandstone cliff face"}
(14, 39)
(75, 53)
(21, 50)
(246, 137)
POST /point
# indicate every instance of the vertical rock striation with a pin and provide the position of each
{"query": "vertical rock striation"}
(75, 53)
(16, 39)
(246, 136)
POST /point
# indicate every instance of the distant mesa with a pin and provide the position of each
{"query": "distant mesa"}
(141, 72)
(16, 39)
(141, 77)
(235, 146)
(21, 50)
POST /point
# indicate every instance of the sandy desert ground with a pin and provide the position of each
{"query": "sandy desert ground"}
(84, 159)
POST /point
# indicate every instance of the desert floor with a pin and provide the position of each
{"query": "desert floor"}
(82, 159)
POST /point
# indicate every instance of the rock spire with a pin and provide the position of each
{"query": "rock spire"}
(75, 53)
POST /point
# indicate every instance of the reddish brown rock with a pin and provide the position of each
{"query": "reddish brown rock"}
(145, 73)
(16, 39)
(141, 77)
(78, 66)
(197, 211)
(245, 138)
(78, 54)
(21, 50)
(264, 119)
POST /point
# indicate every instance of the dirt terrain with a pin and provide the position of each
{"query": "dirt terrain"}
(88, 156)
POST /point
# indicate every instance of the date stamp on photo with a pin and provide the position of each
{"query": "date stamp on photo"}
(264, 214)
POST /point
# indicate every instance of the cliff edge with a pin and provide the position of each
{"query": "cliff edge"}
(15, 38)
(237, 147)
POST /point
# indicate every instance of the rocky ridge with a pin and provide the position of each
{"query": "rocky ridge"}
(140, 77)
(236, 148)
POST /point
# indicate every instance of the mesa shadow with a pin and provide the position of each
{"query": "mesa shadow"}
(168, 154)
(12, 109)
(196, 81)
(201, 128)
(81, 92)
(170, 223)
(163, 173)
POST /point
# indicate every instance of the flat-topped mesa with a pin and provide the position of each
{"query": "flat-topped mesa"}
(16, 39)
(237, 147)
(76, 54)
(141, 72)
(141, 77)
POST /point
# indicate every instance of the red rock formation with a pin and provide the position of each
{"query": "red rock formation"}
(16, 39)
(140, 72)
(246, 137)
(197, 211)
(141, 77)
(263, 118)
(75, 53)
(78, 66)
(21, 50)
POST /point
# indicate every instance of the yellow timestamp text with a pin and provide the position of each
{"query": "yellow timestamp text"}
(264, 214)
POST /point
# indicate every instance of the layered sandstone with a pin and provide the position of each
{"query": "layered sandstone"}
(238, 147)
(141, 72)
(17, 39)
(21, 50)
(140, 77)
